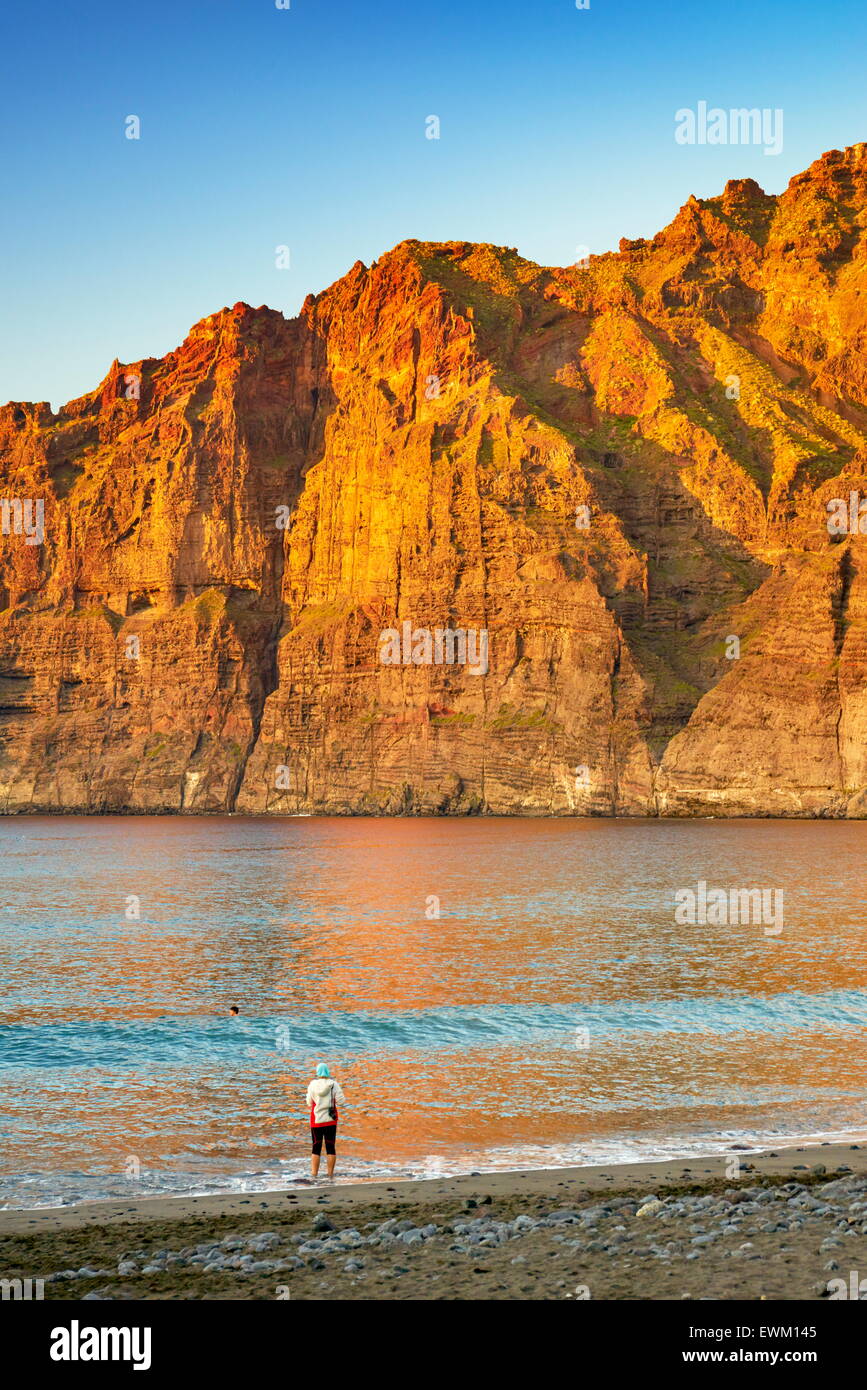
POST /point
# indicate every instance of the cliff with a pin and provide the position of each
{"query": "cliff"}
(614, 478)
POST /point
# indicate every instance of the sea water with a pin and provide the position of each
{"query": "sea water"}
(491, 993)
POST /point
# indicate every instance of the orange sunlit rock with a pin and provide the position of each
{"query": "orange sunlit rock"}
(229, 530)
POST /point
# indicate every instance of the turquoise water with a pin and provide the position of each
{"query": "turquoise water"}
(553, 1012)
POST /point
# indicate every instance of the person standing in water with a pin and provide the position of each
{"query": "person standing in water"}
(323, 1097)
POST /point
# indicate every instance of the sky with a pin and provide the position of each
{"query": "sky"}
(306, 127)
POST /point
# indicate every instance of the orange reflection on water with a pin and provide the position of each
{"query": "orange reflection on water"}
(299, 921)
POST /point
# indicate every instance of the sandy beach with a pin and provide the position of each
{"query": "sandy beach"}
(787, 1224)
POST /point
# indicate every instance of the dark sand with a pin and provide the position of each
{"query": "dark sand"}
(785, 1245)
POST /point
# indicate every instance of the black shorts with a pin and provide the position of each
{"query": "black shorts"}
(326, 1132)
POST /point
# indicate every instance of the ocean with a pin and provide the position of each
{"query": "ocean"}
(491, 993)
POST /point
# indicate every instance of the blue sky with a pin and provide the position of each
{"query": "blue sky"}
(305, 127)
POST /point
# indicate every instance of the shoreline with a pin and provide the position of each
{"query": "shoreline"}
(772, 1161)
(784, 1224)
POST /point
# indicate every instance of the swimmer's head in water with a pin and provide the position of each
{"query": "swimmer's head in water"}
(322, 1070)
(234, 1009)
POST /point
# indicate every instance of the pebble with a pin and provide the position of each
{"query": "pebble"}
(834, 1210)
(650, 1208)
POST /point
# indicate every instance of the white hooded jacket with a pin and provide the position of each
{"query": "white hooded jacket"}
(319, 1098)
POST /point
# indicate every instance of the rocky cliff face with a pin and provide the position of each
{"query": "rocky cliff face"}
(611, 481)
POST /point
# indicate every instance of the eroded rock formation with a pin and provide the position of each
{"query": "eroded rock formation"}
(612, 470)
